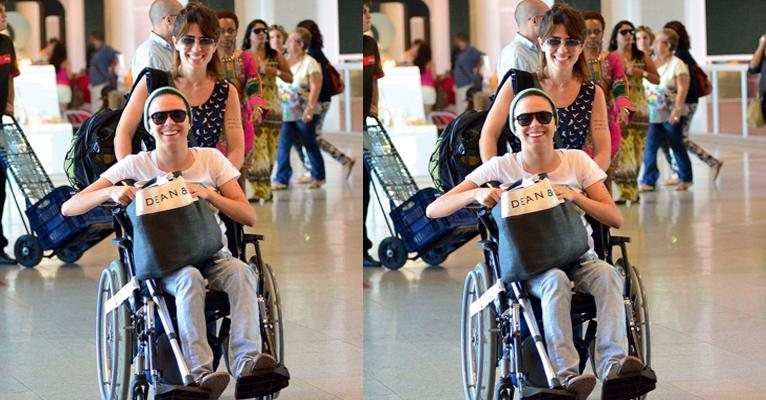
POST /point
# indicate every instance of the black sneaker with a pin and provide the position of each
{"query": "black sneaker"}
(369, 261)
(261, 376)
(5, 259)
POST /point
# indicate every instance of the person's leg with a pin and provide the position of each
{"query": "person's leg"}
(653, 139)
(284, 171)
(259, 174)
(605, 283)
(626, 175)
(307, 133)
(674, 133)
(460, 101)
(554, 291)
(368, 261)
(695, 148)
(188, 287)
(323, 143)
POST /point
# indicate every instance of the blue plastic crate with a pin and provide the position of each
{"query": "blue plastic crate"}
(418, 231)
(54, 230)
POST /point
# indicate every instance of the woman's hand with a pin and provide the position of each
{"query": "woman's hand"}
(257, 116)
(623, 116)
(675, 115)
(488, 197)
(123, 195)
(199, 191)
(308, 114)
(564, 192)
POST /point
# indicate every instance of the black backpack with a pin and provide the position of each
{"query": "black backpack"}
(457, 148)
(92, 150)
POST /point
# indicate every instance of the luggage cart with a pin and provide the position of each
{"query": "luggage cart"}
(431, 239)
(67, 237)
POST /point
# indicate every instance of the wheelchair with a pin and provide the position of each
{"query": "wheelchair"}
(138, 353)
(502, 349)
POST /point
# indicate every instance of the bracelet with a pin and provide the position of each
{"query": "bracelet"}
(645, 74)
(279, 73)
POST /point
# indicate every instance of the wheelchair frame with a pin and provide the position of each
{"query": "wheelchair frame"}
(126, 327)
(493, 315)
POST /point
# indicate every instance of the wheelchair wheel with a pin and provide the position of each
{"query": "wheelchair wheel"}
(478, 340)
(113, 339)
(639, 338)
(274, 314)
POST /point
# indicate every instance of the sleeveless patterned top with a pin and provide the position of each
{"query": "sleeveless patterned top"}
(574, 119)
(207, 125)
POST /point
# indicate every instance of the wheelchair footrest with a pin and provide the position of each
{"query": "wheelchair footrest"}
(262, 383)
(529, 393)
(630, 385)
(177, 392)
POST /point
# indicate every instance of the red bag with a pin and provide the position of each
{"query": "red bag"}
(337, 86)
(704, 87)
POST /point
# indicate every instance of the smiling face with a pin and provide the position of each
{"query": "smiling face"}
(192, 48)
(228, 34)
(168, 132)
(536, 133)
(561, 50)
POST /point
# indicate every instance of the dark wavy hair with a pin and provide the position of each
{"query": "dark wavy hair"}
(58, 55)
(684, 42)
(422, 57)
(316, 36)
(636, 54)
(205, 18)
(573, 22)
(246, 44)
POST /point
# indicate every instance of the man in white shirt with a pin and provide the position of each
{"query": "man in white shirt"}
(157, 51)
(522, 53)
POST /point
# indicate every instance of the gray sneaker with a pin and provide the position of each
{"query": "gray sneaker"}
(582, 385)
(215, 382)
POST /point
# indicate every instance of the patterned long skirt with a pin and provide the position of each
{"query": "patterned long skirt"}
(264, 158)
(631, 156)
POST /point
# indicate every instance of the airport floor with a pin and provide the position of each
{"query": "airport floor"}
(702, 263)
(47, 313)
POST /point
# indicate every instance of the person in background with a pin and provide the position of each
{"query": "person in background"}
(45, 53)
(9, 69)
(692, 99)
(101, 71)
(299, 103)
(758, 66)
(422, 60)
(638, 66)
(58, 58)
(522, 53)
(323, 104)
(157, 51)
(667, 112)
(466, 70)
(277, 38)
(372, 70)
(645, 40)
(240, 70)
(409, 55)
(271, 65)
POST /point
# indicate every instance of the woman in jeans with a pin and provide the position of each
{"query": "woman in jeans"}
(667, 113)
(299, 104)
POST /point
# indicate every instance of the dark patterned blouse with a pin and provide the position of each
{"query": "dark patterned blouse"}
(574, 119)
(207, 123)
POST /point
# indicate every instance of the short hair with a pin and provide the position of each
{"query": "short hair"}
(226, 14)
(586, 15)
(281, 29)
(304, 36)
(204, 17)
(648, 30)
(316, 36)
(684, 43)
(572, 21)
(526, 10)
(97, 35)
(672, 38)
(161, 9)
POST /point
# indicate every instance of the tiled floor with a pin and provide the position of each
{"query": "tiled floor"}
(47, 314)
(702, 259)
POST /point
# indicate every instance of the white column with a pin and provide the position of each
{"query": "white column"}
(75, 32)
(441, 41)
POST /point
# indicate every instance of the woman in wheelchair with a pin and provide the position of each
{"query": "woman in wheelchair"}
(167, 117)
(577, 178)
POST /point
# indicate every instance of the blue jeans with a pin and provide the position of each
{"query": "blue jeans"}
(673, 134)
(237, 279)
(605, 283)
(298, 132)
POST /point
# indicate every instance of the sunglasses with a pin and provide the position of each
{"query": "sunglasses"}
(555, 42)
(625, 32)
(258, 31)
(160, 117)
(230, 31)
(543, 117)
(188, 41)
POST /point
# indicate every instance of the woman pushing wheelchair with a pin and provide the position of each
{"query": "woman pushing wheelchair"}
(167, 116)
(576, 178)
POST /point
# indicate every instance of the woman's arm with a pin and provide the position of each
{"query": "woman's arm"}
(231, 201)
(460, 196)
(755, 62)
(284, 69)
(131, 117)
(651, 70)
(315, 86)
(235, 135)
(596, 202)
(96, 194)
(599, 128)
(496, 119)
(682, 87)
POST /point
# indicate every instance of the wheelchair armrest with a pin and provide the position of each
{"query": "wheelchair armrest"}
(252, 238)
(618, 240)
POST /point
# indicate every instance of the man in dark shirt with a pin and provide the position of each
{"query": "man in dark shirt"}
(8, 70)
(372, 71)
(101, 70)
(466, 70)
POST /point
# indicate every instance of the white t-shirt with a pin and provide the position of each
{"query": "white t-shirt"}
(577, 170)
(210, 168)
(295, 95)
